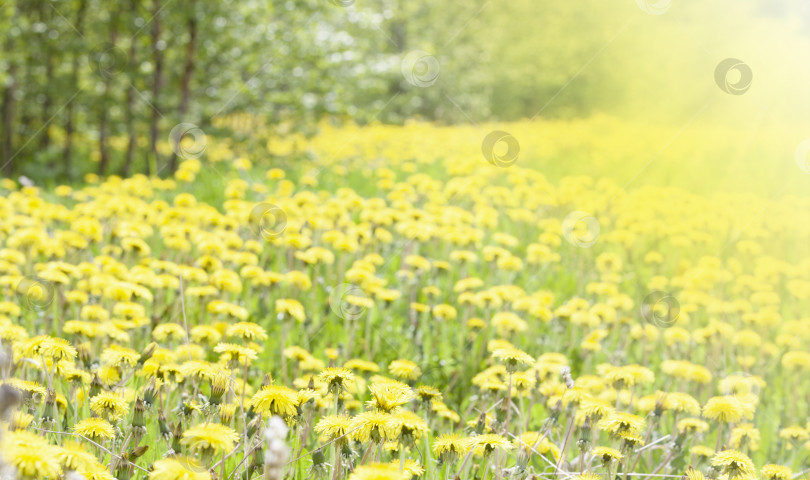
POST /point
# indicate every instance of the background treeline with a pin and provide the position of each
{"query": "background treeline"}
(108, 80)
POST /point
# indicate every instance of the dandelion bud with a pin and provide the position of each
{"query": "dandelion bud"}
(137, 452)
(584, 442)
(226, 413)
(658, 410)
(554, 414)
(566, 374)
(165, 432)
(347, 454)
(84, 354)
(138, 421)
(149, 394)
(277, 453)
(319, 467)
(123, 471)
(254, 425)
(481, 424)
(522, 461)
(177, 434)
(217, 391)
(49, 413)
(95, 386)
(147, 353)
(677, 443)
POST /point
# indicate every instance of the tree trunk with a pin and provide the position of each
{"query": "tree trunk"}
(30, 86)
(74, 82)
(46, 16)
(156, 85)
(8, 119)
(103, 124)
(188, 72)
(130, 104)
(47, 103)
(8, 108)
(399, 37)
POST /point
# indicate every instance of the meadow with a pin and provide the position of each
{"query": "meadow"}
(392, 302)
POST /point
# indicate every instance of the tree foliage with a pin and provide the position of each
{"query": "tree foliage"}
(108, 81)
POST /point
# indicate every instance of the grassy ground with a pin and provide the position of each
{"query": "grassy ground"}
(331, 282)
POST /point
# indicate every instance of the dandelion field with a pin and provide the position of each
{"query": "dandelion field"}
(389, 240)
(434, 315)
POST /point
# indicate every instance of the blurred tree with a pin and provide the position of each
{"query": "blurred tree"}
(92, 85)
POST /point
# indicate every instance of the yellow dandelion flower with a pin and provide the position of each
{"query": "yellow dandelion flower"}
(291, 307)
(109, 405)
(334, 428)
(692, 425)
(726, 409)
(178, 468)
(484, 445)
(276, 400)
(405, 369)
(734, 464)
(618, 423)
(337, 379)
(205, 334)
(362, 365)
(449, 447)
(533, 443)
(776, 472)
(406, 426)
(692, 474)
(117, 356)
(33, 463)
(371, 426)
(745, 435)
(387, 396)
(246, 331)
(426, 393)
(231, 352)
(607, 454)
(379, 471)
(702, 451)
(73, 456)
(210, 438)
(94, 429)
(512, 357)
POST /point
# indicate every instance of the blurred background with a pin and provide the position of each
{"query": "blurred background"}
(621, 89)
